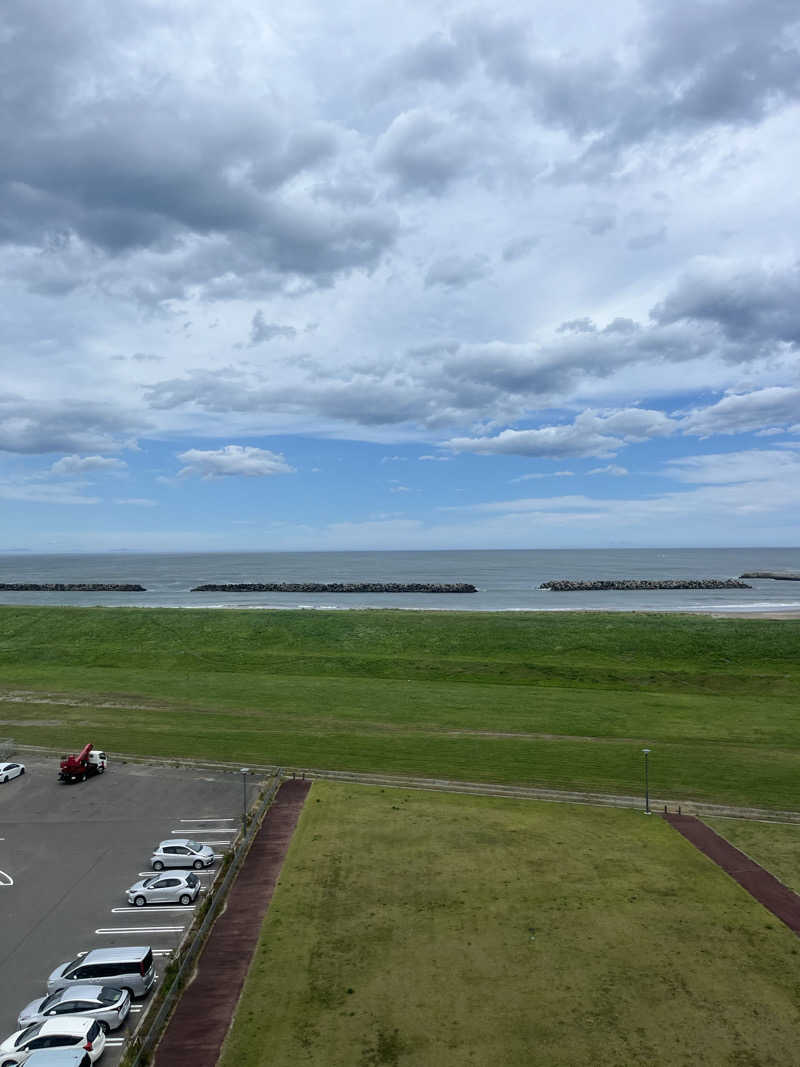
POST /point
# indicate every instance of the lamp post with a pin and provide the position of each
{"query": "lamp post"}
(244, 772)
(647, 811)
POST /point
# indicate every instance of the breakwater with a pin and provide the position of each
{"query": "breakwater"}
(337, 587)
(637, 585)
(779, 576)
(71, 587)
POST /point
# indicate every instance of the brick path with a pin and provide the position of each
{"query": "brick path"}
(759, 883)
(195, 1032)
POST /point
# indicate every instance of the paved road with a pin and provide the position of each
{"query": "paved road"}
(67, 853)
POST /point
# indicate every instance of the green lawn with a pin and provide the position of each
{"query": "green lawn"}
(775, 846)
(412, 928)
(560, 700)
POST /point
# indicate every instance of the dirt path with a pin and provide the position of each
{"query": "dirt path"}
(759, 883)
(195, 1032)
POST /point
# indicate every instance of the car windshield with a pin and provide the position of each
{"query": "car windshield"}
(149, 881)
(195, 846)
(191, 879)
(48, 1002)
(72, 964)
(109, 995)
(28, 1033)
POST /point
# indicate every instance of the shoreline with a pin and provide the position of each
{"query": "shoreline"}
(712, 612)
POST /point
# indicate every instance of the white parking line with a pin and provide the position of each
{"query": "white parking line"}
(135, 1008)
(162, 952)
(208, 830)
(140, 929)
(159, 908)
(6, 879)
(207, 818)
(200, 870)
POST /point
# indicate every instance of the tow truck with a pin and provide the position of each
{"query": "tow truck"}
(89, 761)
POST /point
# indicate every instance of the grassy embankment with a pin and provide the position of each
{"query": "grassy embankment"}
(415, 928)
(561, 700)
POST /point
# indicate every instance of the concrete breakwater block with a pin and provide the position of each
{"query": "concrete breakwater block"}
(567, 586)
(779, 576)
(337, 587)
(71, 587)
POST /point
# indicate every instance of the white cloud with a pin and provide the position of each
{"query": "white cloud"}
(75, 464)
(233, 461)
(138, 502)
(543, 474)
(755, 465)
(612, 469)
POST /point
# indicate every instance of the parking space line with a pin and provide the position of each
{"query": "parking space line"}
(162, 951)
(208, 830)
(207, 818)
(132, 910)
(140, 929)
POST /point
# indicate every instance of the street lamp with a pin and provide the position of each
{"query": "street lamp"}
(647, 811)
(244, 772)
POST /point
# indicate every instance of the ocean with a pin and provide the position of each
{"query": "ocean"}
(506, 580)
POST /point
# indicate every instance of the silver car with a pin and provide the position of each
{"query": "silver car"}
(108, 1005)
(174, 887)
(181, 852)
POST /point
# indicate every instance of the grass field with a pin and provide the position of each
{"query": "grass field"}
(413, 928)
(561, 700)
(775, 846)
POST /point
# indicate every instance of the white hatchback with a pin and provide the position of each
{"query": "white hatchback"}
(173, 887)
(181, 852)
(77, 1033)
(11, 770)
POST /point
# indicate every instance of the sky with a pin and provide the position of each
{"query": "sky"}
(437, 276)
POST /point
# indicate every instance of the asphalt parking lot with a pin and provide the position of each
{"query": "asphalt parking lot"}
(69, 852)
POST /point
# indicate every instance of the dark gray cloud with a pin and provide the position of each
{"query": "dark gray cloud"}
(105, 157)
(261, 330)
(32, 427)
(519, 248)
(426, 150)
(747, 303)
(454, 272)
(692, 67)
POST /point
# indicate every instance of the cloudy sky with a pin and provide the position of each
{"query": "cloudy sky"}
(432, 276)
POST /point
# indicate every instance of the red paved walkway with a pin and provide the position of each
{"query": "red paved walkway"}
(198, 1027)
(767, 890)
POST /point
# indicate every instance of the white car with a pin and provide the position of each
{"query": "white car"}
(171, 887)
(11, 770)
(76, 1033)
(181, 852)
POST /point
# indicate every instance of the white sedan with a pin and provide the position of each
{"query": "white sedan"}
(11, 770)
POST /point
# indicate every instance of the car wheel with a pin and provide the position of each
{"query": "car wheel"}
(185, 899)
(139, 902)
(5, 780)
(22, 770)
(198, 865)
(158, 865)
(9, 1063)
(101, 769)
(104, 1026)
